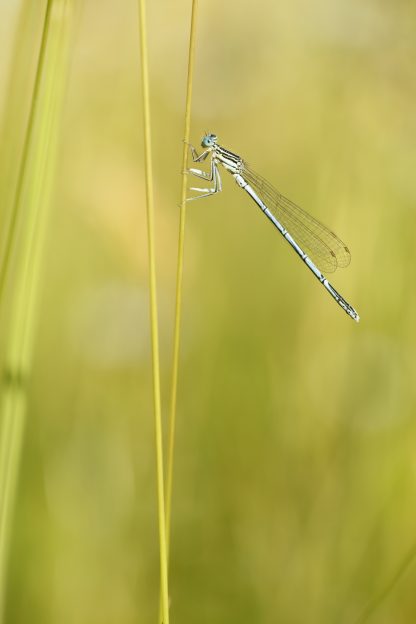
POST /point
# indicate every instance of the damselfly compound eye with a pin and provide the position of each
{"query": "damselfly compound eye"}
(209, 140)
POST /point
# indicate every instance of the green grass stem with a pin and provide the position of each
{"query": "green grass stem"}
(17, 104)
(179, 277)
(36, 182)
(22, 173)
(179, 274)
(154, 316)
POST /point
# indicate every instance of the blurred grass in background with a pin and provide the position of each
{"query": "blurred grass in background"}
(295, 482)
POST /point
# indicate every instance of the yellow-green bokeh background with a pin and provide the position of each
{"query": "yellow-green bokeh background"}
(295, 475)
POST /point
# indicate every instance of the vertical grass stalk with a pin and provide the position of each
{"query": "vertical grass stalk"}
(154, 317)
(19, 90)
(35, 180)
(179, 275)
(6, 253)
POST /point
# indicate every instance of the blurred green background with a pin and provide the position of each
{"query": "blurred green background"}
(295, 475)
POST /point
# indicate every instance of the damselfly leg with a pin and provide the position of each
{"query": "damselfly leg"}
(195, 157)
(212, 176)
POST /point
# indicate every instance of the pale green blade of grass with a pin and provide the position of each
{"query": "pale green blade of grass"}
(154, 315)
(15, 113)
(179, 279)
(10, 137)
(10, 237)
(179, 272)
(37, 184)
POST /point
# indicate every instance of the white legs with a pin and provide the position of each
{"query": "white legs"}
(212, 176)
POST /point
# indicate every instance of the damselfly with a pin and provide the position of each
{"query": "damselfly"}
(325, 249)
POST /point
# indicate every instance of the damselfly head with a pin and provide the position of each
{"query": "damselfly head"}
(209, 140)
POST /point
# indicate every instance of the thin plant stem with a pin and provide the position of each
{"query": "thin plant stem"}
(179, 276)
(154, 317)
(16, 208)
(17, 105)
(37, 185)
(11, 413)
(179, 279)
